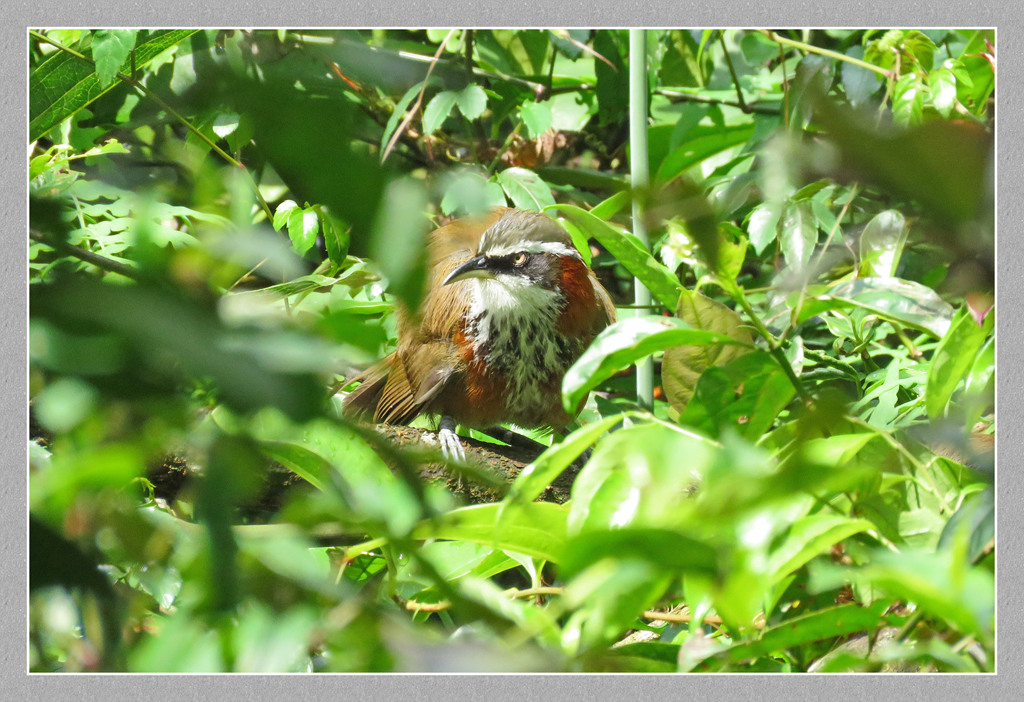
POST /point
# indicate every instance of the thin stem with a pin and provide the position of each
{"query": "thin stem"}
(773, 345)
(101, 262)
(639, 179)
(732, 71)
(676, 96)
(810, 48)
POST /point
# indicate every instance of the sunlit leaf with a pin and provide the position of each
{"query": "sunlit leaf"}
(525, 188)
(536, 528)
(626, 342)
(951, 361)
(682, 366)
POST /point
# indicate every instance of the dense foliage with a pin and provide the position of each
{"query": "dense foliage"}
(222, 221)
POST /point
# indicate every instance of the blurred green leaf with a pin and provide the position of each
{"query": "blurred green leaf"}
(744, 395)
(809, 537)
(664, 550)
(702, 147)
(472, 101)
(623, 344)
(881, 244)
(537, 116)
(798, 234)
(952, 360)
(907, 101)
(110, 49)
(940, 583)
(942, 85)
(634, 479)
(536, 529)
(824, 624)
(398, 244)
(544, 469)
(764, 224)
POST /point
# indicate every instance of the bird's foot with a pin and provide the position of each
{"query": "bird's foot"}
(451, 447)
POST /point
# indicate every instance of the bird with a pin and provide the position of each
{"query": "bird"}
(509, 306)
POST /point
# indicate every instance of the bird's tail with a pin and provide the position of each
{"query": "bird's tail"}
(362, 402)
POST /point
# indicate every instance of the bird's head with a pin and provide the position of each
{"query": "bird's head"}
(522, 254)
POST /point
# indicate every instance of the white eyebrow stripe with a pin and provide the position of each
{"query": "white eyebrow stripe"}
(552, 247)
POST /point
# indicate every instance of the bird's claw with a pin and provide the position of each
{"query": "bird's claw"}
(451, 447)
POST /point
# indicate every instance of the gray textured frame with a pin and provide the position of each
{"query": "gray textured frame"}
(491, 13)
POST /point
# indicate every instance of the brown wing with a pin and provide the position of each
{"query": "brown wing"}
(402, 386)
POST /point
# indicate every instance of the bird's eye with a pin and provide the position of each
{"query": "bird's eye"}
(519, 259)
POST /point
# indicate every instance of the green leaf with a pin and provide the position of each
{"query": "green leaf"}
(525, 188)
(859, 83)
(536, 477)
(637, 480)
(881, 244)
(977, 518)
(437, 110)
(662, 282)
(665, 550)
(682, 366)
(798, 234)
(942, 86)
(763, 226)
(471, 100)
(399, 240)
(902, 301)
(303, 226)
(702, 147)
(951, 361)
(612, 89)
(646, 657)
(470, 193)
(608, 208)
(308, 465)
(825, 624)
(908, 101)
(939, 582)
(743, 396)
(625, 343)
(537, 116)
(110, 49)
(336, 236)
(536, 529)
(63, 84)
(810, 536)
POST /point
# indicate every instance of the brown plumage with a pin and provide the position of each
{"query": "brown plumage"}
(491, 345)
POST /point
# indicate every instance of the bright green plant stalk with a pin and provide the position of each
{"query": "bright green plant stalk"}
(638, 168)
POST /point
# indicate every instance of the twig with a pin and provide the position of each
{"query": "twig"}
(824, 52)
(676, 96)
(419, 98)
(732, 71)
(101, 262)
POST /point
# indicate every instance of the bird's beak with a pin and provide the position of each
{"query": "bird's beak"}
(473, 268)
